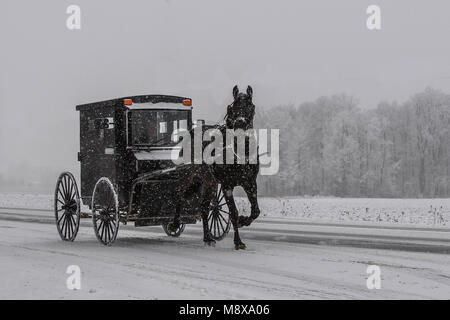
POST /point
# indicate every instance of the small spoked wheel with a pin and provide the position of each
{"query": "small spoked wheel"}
(172, 230)
(219, 216)
(67, 207)
(105, 211)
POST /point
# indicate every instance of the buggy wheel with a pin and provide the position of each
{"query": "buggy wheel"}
(105, 211)
(219, 215)
(67, 207)
(173, 232)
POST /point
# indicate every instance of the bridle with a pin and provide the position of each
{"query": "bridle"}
(226, 116)
(218, 125)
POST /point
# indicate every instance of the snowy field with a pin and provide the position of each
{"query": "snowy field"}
(420, 212)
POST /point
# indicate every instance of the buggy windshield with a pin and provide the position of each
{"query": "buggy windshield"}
(154, 127)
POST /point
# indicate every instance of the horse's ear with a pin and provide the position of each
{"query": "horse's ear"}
(235, 92)
(250, 92)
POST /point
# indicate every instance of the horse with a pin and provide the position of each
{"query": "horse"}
(239, 116)
(204, 178)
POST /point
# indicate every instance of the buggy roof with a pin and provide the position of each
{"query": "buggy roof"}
(141, 99)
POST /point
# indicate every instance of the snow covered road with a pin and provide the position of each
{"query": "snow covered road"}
(285, 259)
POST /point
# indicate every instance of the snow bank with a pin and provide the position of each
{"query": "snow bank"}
(426, 212)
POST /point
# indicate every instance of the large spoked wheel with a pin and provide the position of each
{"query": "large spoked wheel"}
(67, 207)
(105, 211)
(172, 230)
(219, 216)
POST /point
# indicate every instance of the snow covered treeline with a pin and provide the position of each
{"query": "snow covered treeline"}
(332, 146)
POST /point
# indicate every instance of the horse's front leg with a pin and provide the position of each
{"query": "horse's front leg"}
(234, 216)
(251, 189)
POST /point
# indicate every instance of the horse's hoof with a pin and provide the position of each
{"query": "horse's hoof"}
(239, 246)
(210, 243)
(243, 221)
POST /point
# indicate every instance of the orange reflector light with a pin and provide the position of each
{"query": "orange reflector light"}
(187, 102)
(127, 102)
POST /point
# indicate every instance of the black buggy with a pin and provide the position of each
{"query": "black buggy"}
(127, 172)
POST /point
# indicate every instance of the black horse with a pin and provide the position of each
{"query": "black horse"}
(204, 178)
(239, 115)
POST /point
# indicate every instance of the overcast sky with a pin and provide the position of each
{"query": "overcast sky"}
(289, 51)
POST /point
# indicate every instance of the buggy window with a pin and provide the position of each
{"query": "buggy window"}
(154, 127)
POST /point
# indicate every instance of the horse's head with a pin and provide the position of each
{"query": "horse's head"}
(241, 112)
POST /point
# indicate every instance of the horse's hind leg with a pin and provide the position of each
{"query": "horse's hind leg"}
(251, 189)
(208, 194)
(234, 215)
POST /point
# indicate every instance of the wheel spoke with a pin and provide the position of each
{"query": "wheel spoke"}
(224, 220)
(220, 222)
(68, 183)
(70, 227)
(69, 195)
(105, 232)
(102, 227)
(211, 220)
(108, 232)
(216, 229)
(60, 218)
(61, 192)
(221, 195)
(73, 194)
(111, 228)
(221, 205)
(73, 220)
(65, 226)
(65, 188)
(108, 236)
